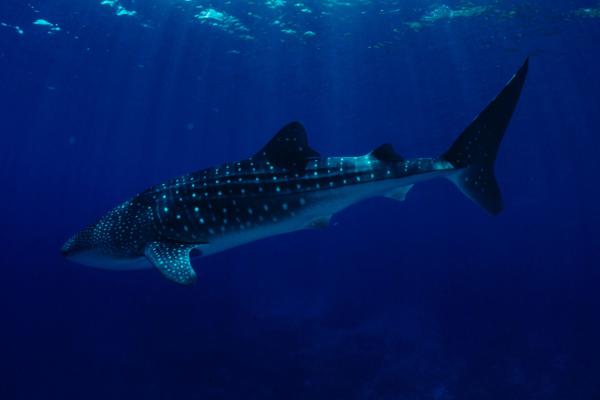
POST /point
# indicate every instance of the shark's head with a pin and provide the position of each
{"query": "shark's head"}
(84, 248)
(105, 244)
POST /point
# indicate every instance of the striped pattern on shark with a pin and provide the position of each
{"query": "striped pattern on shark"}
(284, 187)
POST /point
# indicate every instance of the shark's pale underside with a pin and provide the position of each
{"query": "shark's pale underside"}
(284, 187)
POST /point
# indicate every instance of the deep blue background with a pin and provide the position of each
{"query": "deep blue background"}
(426, 299)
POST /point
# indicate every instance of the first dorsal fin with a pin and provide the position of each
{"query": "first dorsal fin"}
(386, 152)
(288, 148)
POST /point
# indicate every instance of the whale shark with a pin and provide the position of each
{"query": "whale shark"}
(286, 186)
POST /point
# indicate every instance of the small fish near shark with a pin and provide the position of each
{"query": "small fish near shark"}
(286, 186)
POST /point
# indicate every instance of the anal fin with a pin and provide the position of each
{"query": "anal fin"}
(319, 223)
(172, 259)
(399, 193)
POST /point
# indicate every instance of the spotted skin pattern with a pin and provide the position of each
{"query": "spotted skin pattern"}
(235, 197)
(284, 187)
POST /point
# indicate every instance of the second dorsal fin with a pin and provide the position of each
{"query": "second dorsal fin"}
(386, 152)
(288, 148)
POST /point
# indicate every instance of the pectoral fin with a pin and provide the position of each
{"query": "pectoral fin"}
(172, 260)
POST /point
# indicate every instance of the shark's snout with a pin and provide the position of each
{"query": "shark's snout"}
(78, 243)
(66, 248)
(72, 247)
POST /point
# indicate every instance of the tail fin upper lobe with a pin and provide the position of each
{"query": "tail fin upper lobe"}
(474, 152)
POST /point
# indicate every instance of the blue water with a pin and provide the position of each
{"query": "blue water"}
(426, 299)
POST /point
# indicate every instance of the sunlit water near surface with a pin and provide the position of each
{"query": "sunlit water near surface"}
(430, 298)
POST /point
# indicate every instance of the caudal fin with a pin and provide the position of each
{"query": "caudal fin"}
(474, 152)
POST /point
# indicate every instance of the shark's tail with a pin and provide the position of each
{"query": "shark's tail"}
(474, 152)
